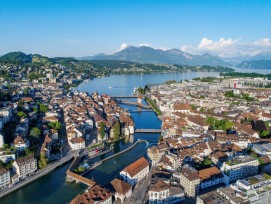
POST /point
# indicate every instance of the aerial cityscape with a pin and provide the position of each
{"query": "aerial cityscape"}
(135, 102)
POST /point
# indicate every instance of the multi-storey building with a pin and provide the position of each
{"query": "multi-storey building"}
(122, 189)
(238, 168)
(25, 166)
(190, 180)
(162, 193)
(210, 177)
(77, 143)
(255, 189)
(4, 178)
(135, 171)
(159, 193)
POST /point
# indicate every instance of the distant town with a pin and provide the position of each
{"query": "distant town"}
(214, 146)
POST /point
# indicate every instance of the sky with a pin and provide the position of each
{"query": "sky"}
(87, 27)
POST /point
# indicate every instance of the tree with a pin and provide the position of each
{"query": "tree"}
(264, 133)
(55, 125)
(207, 162)
(79, 170)
(36, 110)
(26, 91)
(27, 151)
(20, 103)
(102, 130)
(35, 132)
(193, 107)
(160, 138)
(43, 162)
(21, 114)
(116, 130)
(140, 90)
(5, 146)
(202, 109)
(43, 108)
(259, 126)
(146, 89)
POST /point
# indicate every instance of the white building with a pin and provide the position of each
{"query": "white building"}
(6, 113)
(77, 143)
(122, 189)
(4, 178)
(1, 138)
(210, 177)
(238, 168)
(135, 171)
(5, 156)
(256, 189)
(20, 143)
(25, 166)
(159, 193)
(190, 180)
(162, 193)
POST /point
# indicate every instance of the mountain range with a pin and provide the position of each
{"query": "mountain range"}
(144, 54)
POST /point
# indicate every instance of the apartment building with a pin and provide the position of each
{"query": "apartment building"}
(190, 180)
(77, 143)
(239, 167)
(162, 193)
(210, 177)
(159, 192)
(255, 189)
(25, 166)
(4, 178)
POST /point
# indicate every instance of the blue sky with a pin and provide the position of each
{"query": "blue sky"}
(87, 27)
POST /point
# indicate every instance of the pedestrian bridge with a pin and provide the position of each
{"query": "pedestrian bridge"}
(131, 96)
(148, 131)
(134, 104)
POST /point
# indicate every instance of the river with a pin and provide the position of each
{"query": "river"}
(53, 187)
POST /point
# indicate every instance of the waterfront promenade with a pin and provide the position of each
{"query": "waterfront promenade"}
(40, 173)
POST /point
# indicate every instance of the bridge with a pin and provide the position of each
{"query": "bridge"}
(138, 111)
(131, 96)
(71, 176)
(133, 104)
(148, 130)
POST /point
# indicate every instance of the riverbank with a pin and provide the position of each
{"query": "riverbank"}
(39, 174)
(154, 107)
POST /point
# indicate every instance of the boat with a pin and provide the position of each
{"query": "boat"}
(110, 87)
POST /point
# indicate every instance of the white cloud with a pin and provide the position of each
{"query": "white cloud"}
(144, 44)
(123, 46)
(228, 47)
(263, 42)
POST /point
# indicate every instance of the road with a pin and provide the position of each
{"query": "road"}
(140, 190)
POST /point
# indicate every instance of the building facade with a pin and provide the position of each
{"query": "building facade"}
(135, 171)
(25, 166)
